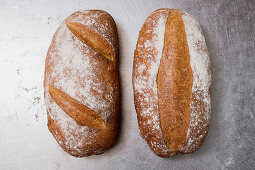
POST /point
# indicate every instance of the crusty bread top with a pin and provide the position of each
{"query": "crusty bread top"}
(96, 42)
(148, 55)
(174, 83)
(76, 110)
(145, 69)
(85, 75)
(200, 99)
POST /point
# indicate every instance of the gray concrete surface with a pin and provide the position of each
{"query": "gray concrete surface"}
(25, 33)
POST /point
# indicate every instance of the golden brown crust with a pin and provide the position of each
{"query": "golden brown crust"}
(93, 39)
(76, 110)
(95, 145)
(145, 96)
(174, 82)
(200, 98)
(181, 70)
(89, 80)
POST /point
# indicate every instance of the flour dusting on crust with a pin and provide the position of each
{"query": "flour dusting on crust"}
(71, 67)
(146, 64)
(105, 29)
(200, 100)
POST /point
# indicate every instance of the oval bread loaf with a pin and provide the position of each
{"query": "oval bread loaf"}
(171, 83)
(81, 83)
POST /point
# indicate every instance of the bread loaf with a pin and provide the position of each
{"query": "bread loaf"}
(171, 83)
(81, 83)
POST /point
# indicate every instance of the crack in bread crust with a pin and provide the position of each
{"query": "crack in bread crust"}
(76, 110)
(174, 82)
(93, 39)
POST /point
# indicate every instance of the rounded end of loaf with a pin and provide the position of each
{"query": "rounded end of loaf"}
(95, 145)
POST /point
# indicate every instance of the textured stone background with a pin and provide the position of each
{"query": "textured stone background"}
(25, 33)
